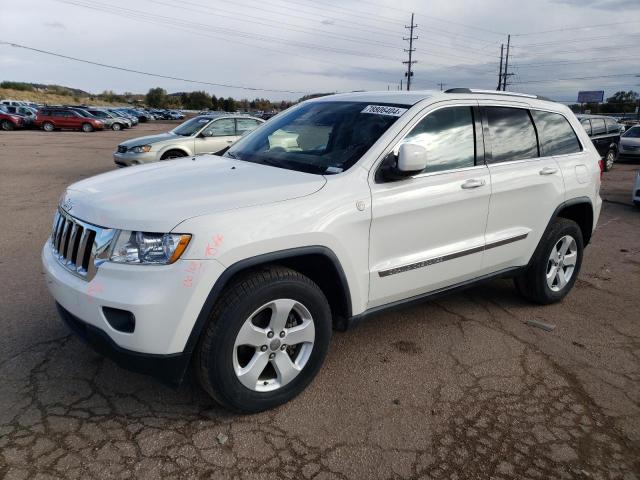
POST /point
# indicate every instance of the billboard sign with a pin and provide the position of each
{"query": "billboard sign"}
(591, 96)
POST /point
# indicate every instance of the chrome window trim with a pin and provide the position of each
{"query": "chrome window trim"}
(450, 256)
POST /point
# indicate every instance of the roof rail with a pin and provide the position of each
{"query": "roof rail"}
(495, 92)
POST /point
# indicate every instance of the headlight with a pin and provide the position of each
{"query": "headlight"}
(140, 149)
(148, 248)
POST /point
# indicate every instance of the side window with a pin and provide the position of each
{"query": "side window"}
(597, 126)
(221, 128)
(556, 134)
(513, 136)
(586, 124)
(612, 126)
(245, 125)
(448, 136)
(58, 113)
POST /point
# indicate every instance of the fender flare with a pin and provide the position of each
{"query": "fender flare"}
(246, 263)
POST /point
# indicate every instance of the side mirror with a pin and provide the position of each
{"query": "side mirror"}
(412, 158)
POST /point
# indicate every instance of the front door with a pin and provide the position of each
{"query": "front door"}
(216, 136)
(427, 231)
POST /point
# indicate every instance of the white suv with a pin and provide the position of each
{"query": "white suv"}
(335, 210)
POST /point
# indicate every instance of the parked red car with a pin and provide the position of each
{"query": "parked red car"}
(52, 118)
(9, 121)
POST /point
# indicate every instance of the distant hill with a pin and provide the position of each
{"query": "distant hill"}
(59, 94)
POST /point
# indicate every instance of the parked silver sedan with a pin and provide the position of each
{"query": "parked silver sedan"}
(629, 146)
(201, 134)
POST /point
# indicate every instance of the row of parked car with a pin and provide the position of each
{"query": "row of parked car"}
(19, 114)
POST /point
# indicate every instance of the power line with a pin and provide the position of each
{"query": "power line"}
(577, 40)
(575, 28)
(575, 62)
(140, 72)
(410, 62)
(543, 80)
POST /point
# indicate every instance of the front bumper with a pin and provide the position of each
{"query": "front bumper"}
(168, 368)
(128, 159)
(165, 300)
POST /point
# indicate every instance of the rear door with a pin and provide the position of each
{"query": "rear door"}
(216, 136)
(601, 140)
(527, 186)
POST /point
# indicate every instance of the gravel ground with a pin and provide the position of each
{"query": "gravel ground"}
(461, 387)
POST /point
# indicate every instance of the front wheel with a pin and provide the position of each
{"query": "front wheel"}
(266, 339)
(609, 160)
(116, 127)
(555, 264)
(87, 127)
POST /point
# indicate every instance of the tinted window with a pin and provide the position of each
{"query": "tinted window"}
(633, 132)
(512, 134)
(58, 113)
(244, 125)
(612, 126)
(586, 124)
(555, 133)
(597, 126)
(448, 136)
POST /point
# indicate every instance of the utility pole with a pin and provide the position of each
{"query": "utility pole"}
(500, 70)
(441, 85)
(400, 84)
(506, 64)
(410, 62)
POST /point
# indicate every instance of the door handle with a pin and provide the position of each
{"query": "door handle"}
(548, 171)
(472, 183)
(229, 141)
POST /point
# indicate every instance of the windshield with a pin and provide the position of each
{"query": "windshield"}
(633, 132)
(319, 137)
(99, 114)
(190, 127)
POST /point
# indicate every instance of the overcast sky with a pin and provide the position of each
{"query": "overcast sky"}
(322, 45)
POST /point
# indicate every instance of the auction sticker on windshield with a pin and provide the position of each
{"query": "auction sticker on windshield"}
(384, 110)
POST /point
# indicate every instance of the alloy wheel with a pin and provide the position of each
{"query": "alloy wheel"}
(273, 345)
(562, 263)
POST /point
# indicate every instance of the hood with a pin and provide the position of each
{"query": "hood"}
(157, 196)
(151, 139)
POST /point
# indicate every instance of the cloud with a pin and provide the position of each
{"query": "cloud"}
(327, 21)
(613, 5)
(56, 25)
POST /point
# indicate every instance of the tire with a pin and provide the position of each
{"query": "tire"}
(87, 127)
(116, 127)
(253, 296)
(609, 160)
(48, 127)
(173, 154)
(7, 126)
(533, 284)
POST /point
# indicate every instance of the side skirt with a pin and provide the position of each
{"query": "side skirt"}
(411, 301)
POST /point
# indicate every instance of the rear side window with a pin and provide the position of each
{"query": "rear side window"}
(597, 126)
(586, 124)
(555, 133)
(448, 136)
(513, 136)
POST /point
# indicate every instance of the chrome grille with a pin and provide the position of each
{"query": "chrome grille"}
(80, 247)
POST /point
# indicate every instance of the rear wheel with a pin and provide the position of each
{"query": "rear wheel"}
(6, 125)
(172, 154)
(609, 160)
(555, 264)
(48, 127)
(87, 127)
(266, 339)
(116, 127)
